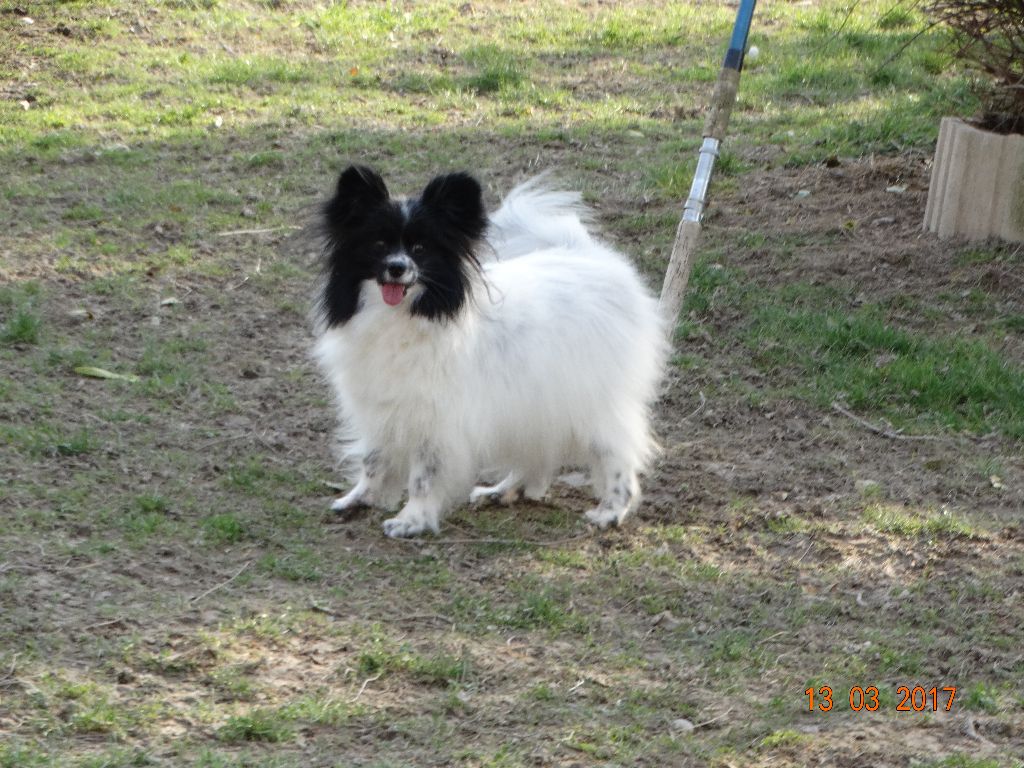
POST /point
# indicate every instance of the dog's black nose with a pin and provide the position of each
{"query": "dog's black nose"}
(398, 268)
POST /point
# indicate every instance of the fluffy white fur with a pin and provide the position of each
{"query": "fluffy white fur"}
(555, 362)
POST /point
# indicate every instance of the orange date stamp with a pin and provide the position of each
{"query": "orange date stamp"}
(916, 698)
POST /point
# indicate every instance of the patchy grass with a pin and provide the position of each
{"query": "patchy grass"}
(889, 519)
(22, 327)
(258, 725)
(861, 358)
(224, 529)
(20, 322)
(829, 353)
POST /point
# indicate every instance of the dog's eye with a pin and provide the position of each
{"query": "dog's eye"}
(380, 245)
(416, 249)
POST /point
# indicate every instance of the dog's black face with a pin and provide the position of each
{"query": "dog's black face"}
(429, 241)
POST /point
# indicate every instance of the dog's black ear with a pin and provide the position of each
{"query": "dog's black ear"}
(359, 181)
(359, 189)
(459, 198)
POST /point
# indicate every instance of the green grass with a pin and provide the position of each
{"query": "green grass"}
(49, 440)
(862, 359)
(233, 682)
(806, 338)
(79, 443)
(493, 70)
(782, 738)
(20, 320)
(980, 697)
(224, 529)
(889, 519)
(258, 725)
(301, 564)
(439, 670)
(23, 327)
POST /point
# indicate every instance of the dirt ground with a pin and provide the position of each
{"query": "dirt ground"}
(772, 490)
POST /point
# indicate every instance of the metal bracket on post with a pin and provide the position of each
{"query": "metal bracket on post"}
(694, 208)
(688, 234)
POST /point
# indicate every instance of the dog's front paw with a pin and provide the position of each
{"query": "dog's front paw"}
(604, 517)
(397, 528)
(411, 521)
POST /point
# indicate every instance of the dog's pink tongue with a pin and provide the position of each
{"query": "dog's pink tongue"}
(392, 293)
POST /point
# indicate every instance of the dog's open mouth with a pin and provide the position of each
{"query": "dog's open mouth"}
(393, 293)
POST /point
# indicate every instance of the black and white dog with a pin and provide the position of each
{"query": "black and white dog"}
(462, 347)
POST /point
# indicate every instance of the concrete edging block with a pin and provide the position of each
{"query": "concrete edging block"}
(977, 185)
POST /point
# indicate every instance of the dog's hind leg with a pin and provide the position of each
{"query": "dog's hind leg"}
(620, 494)
(514, 487)
(374, 487)
(508, 491)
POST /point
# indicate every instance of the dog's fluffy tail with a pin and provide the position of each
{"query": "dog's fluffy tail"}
(535, 217)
